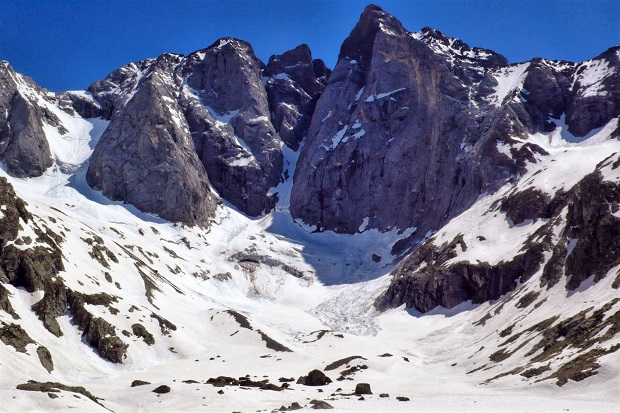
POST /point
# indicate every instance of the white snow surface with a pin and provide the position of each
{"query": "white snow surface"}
(323, 313)
(508, 80)
(592, 76)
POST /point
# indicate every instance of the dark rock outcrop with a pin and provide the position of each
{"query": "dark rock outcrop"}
(140, 331)
(82, 104)
(162, 389)
(14, 213)
(29, 268)
(590, 244)
(59, 300)
(314, 378)
(295, 84)
(596, 95)
(362, 388)
(14, 335)
(45, 357)
(528, 204)
(5, 303)
(437, 283)
(320, 405)
(55, 387)
(24, 150)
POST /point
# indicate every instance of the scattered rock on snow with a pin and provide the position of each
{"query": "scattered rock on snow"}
(320, 404)
(314, 378)
(362, 388)
(162, 389)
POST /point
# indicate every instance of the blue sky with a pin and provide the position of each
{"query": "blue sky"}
(69, 44)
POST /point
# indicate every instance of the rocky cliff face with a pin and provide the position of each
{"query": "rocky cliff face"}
(217, 106)
(24, 150)
(296, 82)
(231, 127)
(406, 132)
(146, 156)
(395, 141)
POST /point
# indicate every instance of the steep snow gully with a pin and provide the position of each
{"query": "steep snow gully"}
(425, 228)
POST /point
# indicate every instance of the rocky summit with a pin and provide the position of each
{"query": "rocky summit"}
(214, 232)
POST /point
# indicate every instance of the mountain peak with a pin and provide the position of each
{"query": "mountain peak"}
(371, 8)
(359, 44)
(230, 43)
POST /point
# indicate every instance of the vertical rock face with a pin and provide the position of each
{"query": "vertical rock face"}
(24, 150)
(227, 108)
(386, 142)
(295, 84)
(546, 92)
(413, 127)
(596, 95)
(146, 155)
(214, 108)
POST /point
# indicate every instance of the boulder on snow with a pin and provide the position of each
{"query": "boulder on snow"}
(362, 388)
(314, 378)
(162, 389)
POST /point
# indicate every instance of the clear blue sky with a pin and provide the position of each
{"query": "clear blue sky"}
(69, 44)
